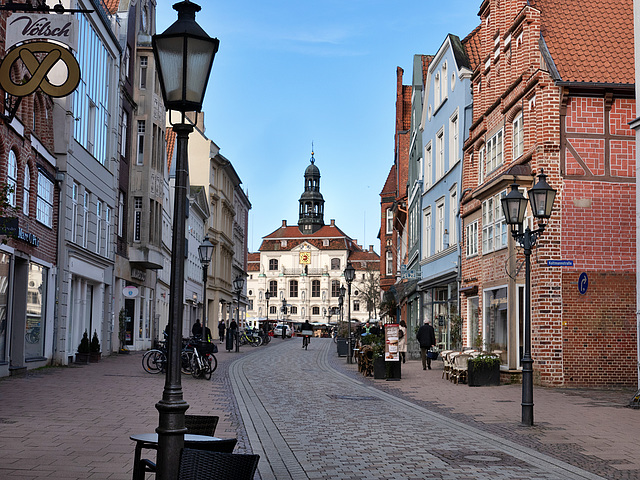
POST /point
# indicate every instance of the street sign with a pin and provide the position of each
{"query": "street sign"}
(559, 263)
(583, 283)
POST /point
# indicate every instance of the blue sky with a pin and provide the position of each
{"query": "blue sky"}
(289, 73)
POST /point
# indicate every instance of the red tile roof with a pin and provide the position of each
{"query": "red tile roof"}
(253, 262)
(471, 45)
(390, 185)
(111, 6)
(426, 60)
(589, 41)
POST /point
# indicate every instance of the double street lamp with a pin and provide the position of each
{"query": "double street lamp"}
(514, 205)
(349, 276)
(238, 283)
(205, 250)
(184, 56)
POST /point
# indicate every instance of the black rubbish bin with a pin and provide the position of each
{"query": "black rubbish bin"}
(343, 347)
(229, 340)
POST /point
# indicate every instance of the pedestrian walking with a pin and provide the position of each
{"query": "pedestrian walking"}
(221, 329)
(402, 341)
(426, 338)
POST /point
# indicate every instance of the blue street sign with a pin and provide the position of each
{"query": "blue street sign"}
(583, 283)
(559, 263)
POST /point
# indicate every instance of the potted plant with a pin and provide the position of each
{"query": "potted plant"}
(84, 349)
(483, 370)
(379, 364)
(95, 352)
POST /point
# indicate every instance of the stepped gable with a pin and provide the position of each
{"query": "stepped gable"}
(471, 44)
(589, 42)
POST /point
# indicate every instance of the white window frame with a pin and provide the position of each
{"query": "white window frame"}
(142, 126)
(75, 191)
(44, 204)
(472, 239)
(85, 223)
(453, 214)
(440, 226)
(98, 225)
(123, 133)
(494, 152)
(107, 231)
(120, 214)
(26, 190)
(443, 83)
(389, 263)
(389, 219)
(518, 136)
(440, 169)
(428, 173)
(144, 63)
(494, 227)
(454, 140)
(426, 239)
(436, 91)
(12, 177)
(482, 153)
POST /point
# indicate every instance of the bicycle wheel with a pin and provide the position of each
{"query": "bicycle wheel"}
(206, 369)
(255, 341)
(185, 362)
(213, 361)
(155, 361)
(196, 370)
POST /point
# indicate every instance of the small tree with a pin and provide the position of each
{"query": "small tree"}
(95, 343)
(84, 346)
(370, 288)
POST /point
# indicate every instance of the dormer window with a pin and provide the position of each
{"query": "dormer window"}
(283, 243)
(325, 242)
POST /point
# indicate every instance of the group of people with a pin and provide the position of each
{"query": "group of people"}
(205, 334)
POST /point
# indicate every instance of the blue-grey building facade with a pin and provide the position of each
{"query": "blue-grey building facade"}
(445, 121)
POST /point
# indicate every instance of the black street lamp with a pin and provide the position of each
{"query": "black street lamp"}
(514, 205)
(267, 296)
(184, 55)
(205, 250)
(238, 283)
(349, 276)
(284, 317)
(343, 291)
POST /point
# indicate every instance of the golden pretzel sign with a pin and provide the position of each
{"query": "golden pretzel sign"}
(39, 70)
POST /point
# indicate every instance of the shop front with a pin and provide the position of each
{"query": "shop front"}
(440, 308)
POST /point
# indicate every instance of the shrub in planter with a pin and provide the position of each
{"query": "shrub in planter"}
(84, 349)
(483, 370)
(95, 353)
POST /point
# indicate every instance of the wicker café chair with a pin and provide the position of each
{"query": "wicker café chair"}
(203, 465)
(201, 424)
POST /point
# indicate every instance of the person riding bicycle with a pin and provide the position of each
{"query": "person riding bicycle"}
(305, 329)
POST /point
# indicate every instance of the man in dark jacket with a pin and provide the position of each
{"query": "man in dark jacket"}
(426, 338)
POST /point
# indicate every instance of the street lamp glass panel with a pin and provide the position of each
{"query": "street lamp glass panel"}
(541, 197)
(267, 295)
(514, 206)
(349, 273)
(238, 283)
(205, 250)
(343, 291)
(184, 54)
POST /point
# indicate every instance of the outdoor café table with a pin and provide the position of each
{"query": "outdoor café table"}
(150, 440)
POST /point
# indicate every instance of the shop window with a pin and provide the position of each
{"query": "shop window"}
(36, 311)
(495, 322)
(5, 261)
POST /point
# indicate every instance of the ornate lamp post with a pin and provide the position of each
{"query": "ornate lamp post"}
(205, 250)
(184, 55)
(514, 205)
(343, 291)
(349, 276)
(267, 296)
(284, 318)
(238, 283)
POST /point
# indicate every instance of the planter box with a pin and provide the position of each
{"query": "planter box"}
(94, 357)
(479, 375)
(343, 347)
(82, 358)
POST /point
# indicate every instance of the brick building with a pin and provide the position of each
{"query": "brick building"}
(554, 91)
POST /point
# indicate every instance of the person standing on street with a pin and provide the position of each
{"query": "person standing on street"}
(426, 337)
(196, 330)
(221, 329)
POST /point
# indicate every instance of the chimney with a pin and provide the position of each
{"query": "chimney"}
(333, 222)
(284, 223)
(371, 248)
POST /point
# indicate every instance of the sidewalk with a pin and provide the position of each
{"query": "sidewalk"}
(589, 428)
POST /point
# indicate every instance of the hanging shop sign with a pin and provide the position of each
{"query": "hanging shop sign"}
(11, 228)
(24, 27)
(130, 291)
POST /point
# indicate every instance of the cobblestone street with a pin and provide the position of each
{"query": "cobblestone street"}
(309, 415)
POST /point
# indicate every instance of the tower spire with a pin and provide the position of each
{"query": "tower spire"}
(311, 212)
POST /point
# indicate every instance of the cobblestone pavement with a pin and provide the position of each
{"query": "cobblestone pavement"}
(312, 421)
(309, 415)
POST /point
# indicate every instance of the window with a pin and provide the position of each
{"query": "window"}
(123, 133)
(335, 288)
(44, 205)
(436, 90)
(294, 310)
(494, 227)
(472, 239)
(427, 166)
(356, 305)
(518, 136)
(121, 214)
(473, 310)
(98, 225)
(127, 61)
(481, 157)
(315, 288)
(273, 310)
(107, 231)
(454, 144)
(273, 288)
(493, 154)
(273, 264)
(439, 154)
(144, 62)
(389, 263)
(12, 176)
(315, 311)
(426, 240)
(75, 192)
(91, 129)
(440, 225)
(389, 221)
(453, 215)
(137, 219)
(335, 264)
(443, 87)
(293, 288)
(26, 190)
(141, 129)
(495, 320)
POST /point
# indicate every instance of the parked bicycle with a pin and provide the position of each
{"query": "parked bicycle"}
(201, 362)
(250, 337)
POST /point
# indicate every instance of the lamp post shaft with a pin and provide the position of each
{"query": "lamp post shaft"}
(171, 408)
(349, 358)
(527, 362)
(205, 313)
(238, 324)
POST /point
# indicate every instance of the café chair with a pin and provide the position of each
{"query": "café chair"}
(460, 367)
(201, 424)
(204, 465)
